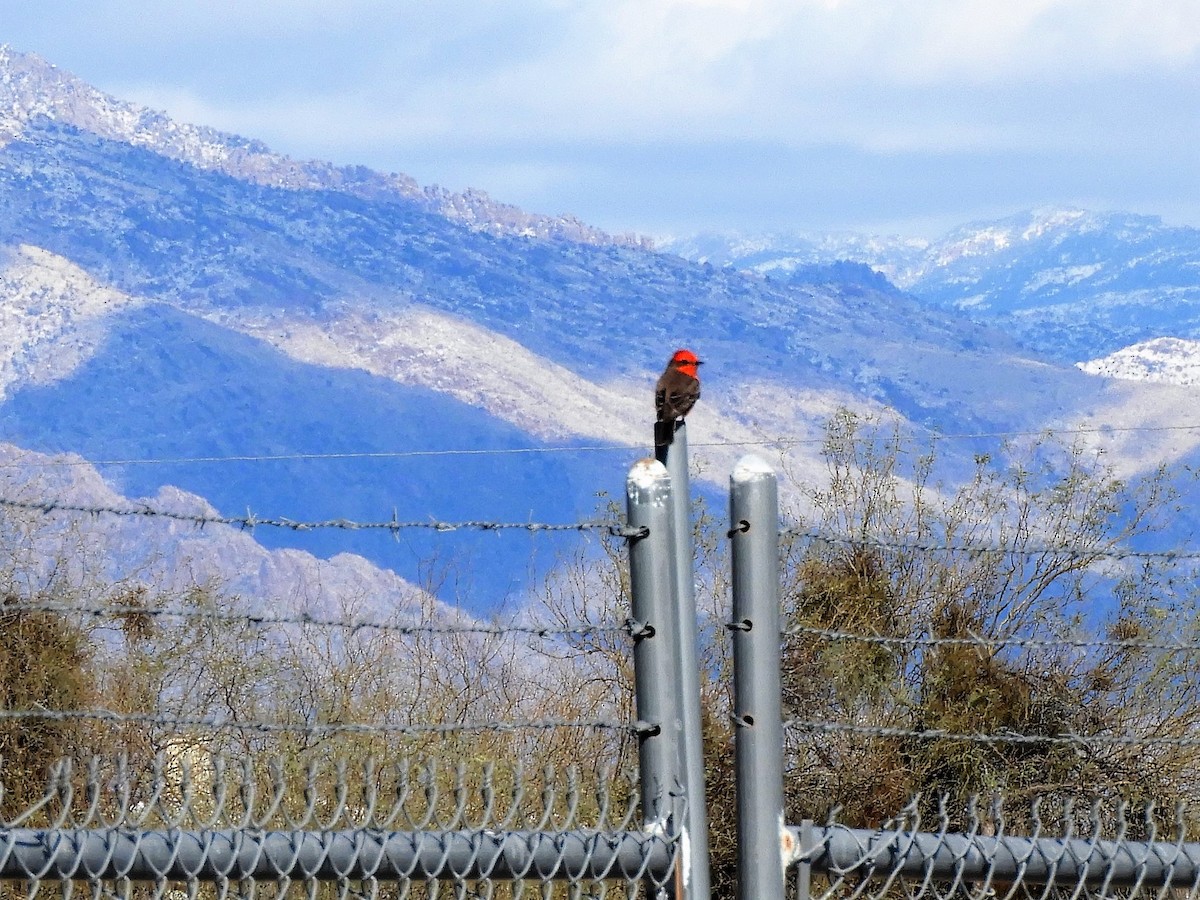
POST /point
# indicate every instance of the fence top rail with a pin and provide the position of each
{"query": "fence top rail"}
(1000, 737)
(225, 856)
(857, 856)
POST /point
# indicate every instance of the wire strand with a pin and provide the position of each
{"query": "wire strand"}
(937, 734)
(984, 641)
(305, 619)
(878, 543)
(616, 529)
(781, 441)
(311, 728)
(250, 521)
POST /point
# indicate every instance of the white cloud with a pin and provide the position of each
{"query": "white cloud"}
(795, 70)
(512, 97)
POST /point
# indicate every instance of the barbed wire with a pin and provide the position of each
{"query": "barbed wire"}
(307, 619)
(975, 640)
(317, 728)
(613, 527)
(251, 521)
(938, 734)
(781, 441)
(1032, 550)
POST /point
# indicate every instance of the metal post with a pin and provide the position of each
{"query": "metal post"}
(656, 648)
(676, 459)
(807, 843)
(757, 712)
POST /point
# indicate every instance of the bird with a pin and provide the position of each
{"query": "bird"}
(676, 393)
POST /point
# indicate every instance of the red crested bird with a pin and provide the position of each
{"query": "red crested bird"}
(676, 393)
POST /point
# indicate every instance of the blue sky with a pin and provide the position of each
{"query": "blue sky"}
(672, 116)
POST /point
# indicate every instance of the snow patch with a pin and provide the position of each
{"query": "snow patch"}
(1136, 428)
(420, 347)
(979, 243)
(1066, 275)
(750, 468)
(1165, 360)
(52, 317)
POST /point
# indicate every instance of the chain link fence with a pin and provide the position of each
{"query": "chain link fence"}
(256, 826)
(1077, 853)
(901, 746)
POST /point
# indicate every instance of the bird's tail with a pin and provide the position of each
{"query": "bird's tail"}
(664, 433)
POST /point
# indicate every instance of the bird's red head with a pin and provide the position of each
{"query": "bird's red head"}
(686, 362)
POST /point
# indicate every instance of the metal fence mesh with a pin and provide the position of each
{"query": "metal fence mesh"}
(206, 745)
(982, 853)
(987, 719)
(190, 823)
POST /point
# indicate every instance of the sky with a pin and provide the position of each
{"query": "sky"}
(669, 117)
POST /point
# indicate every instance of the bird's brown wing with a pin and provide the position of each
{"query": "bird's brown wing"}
(676, 394)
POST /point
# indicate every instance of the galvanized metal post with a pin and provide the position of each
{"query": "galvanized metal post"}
(757, 703)
(806, 844)
(676, 459)
(656, 647)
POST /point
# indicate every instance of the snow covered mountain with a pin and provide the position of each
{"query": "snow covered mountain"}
(1067, 283)
(191, 312)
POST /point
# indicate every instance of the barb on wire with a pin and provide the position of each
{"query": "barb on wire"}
(985, 641)
(250, 521)
(879, 543)
(309, 728)
(937, 734)
(307, 619)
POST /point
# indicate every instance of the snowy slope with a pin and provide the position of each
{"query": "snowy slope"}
(226, 417)
(52, 316)
(1165, 360)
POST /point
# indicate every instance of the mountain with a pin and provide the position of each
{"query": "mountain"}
(154, 228)
(111, 554)
(35, 90)
(190, 311)
(1069, 284)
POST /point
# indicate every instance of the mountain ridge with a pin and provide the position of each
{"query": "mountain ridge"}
(1066, 283)
(32, 88)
